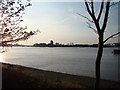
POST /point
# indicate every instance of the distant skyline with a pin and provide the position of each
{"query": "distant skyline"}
(59, 22)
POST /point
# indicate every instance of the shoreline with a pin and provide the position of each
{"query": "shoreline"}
(86, 82)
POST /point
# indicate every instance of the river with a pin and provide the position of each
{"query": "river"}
(71, 60)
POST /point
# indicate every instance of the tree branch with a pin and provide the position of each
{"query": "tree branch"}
(106, 16)
(92, 8)
(24, 36)
(85, 17)
(88, 9)
(89, 26)
(114, 3)
(101, 9)
(93, 16)
(111, 37)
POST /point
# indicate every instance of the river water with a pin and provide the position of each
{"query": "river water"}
(71, 60)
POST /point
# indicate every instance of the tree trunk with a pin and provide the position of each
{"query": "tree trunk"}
(98, 61)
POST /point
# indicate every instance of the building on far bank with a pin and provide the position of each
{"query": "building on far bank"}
(51, 42)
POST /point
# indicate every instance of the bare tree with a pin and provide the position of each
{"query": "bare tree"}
(11, 12)
(100, 20)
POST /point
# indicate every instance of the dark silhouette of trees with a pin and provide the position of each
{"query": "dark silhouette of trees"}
(11, 12)
(100, 20)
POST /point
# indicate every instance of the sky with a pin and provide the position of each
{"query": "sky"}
(59, 21)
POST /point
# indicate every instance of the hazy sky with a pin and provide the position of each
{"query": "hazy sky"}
(59, 22)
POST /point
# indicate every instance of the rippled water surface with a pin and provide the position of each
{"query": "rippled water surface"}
(72, 60)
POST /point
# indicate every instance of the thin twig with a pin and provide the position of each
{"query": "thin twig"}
(89, 26)
(114, 3)
(85, 17)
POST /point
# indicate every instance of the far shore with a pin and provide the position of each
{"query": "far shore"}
(20, 76)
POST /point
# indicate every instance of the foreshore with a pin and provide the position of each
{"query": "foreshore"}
(17, 76)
